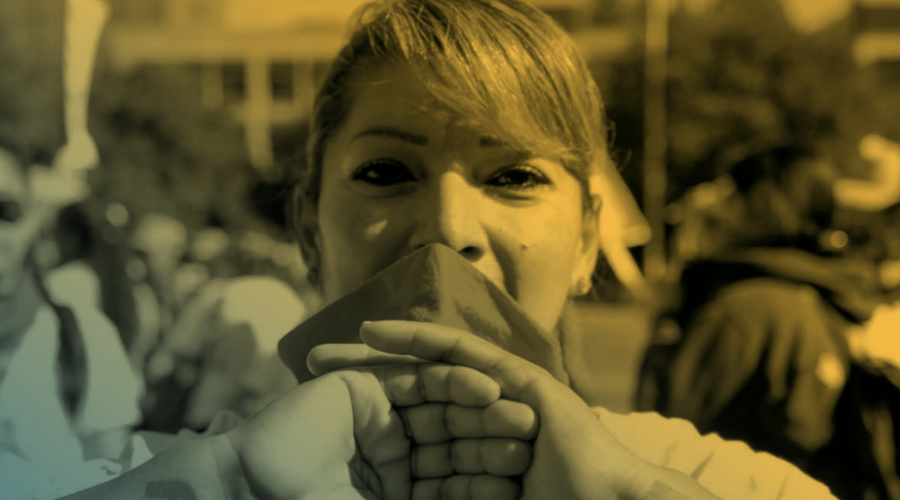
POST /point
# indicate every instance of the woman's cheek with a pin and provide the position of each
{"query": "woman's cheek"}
(549, 241)
(364, 241)
(546, 225)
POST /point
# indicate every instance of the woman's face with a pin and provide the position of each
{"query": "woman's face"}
(403, 172)
(18, 223)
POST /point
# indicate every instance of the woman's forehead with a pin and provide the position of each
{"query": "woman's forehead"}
(392, 92)
(392, 96)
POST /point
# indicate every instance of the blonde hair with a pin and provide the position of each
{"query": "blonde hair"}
(503, 64)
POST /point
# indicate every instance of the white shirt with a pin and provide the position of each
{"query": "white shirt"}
(731, 470)
(41, 454)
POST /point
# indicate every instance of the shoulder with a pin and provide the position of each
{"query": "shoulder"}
(73, 283)
(752, 297)
(771, 292)
(761, 307)
(788, 320)
(729, 469)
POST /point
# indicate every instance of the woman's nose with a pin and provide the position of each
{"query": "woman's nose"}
(449, 215)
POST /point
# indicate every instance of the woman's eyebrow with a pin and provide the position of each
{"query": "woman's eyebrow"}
(490, 141)
(395, 133)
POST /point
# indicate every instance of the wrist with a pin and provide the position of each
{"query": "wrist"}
(633, 478)
(222, 456)
(206, 468)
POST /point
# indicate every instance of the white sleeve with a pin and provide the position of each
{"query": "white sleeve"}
(729, 469)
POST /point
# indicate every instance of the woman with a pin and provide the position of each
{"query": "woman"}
(466, 136)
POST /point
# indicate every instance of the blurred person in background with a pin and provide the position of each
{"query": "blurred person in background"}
(158, 243)
(147, 309)
(754, 346)
(68, 248)
(89, 264)
(229, 334)
(161, 242)
(221, 351)
(68, 396)
(878, 340)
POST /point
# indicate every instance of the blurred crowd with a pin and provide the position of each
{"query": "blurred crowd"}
(199, 315)
(109, 325)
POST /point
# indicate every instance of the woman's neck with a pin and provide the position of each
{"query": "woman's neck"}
(18, 309)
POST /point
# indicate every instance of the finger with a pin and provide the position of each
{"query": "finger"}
(494, 456)
(431, 423)
(502, 418)
(413, 384)
(467, 488)
(427, 423)
(449, 345)
(327, 358)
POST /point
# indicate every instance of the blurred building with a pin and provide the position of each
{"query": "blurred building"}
(878, 32)
(261, 60)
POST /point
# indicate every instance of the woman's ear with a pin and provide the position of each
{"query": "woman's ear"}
(305, 223)
(589, 248)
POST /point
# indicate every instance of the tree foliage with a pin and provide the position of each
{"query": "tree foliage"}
(740, 76)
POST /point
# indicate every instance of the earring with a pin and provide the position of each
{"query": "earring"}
(312, 276)
(583, 286)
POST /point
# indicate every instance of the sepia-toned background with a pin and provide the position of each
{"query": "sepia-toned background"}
(197, 109)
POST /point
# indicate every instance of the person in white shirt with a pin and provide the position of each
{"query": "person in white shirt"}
(68, 395)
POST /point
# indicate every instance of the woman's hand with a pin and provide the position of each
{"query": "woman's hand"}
(409, 431)
(575, 456)
(392, 432)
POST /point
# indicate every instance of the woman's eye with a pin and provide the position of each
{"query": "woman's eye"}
(383, 173)
(518, 177)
